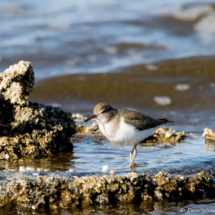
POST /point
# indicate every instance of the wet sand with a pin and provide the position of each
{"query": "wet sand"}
(136, 87)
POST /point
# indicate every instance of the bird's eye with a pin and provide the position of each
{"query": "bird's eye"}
(104, 111)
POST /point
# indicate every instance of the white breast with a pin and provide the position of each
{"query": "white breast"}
(126, 134)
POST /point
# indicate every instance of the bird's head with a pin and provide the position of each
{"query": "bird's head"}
(102, 113)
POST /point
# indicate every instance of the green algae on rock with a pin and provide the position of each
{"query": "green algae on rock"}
(55, 193)
(29, 128)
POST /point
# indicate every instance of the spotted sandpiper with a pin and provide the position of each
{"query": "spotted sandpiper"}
(125, 126)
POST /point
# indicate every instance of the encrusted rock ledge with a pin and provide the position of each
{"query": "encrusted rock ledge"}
(29, 128)
(54, 193)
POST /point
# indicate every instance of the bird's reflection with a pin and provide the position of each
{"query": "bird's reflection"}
(209, 144)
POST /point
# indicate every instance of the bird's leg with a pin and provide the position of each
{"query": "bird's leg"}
(133, 155)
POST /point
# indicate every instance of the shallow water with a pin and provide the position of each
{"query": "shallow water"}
(91, 154)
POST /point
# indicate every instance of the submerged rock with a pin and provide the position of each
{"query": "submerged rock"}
(209, 133)
(29, 128)
(91, 131)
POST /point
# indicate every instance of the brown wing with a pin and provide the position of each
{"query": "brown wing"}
(139, 120)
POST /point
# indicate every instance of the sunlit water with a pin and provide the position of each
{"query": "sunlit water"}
(90, 155)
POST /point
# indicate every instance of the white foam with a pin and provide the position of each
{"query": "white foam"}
(196, 120)
(192, 13)
(207, 23)
(182, 87)
(212, 85)
(72, 62)
(22, 169)
(105, 168)
(163, 100)
(7, 156)
(35, 173)
(30, 169)
(110, 50)
(206, 27)
(59, 26)
(70, 170)
(55, 104)
(178, 9)
(151, 67)
(92, 59)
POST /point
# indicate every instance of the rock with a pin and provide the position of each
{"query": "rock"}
(209, 133)
(29, 128)
(55, 193)
(16, 83)
(166, 134)
(88, 130)
(113, 172)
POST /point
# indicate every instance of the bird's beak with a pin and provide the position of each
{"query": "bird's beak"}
(91, 117)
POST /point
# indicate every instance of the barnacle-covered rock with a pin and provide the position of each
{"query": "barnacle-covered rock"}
(209, 133)
(88, 130)
(29, 128)
(167, 134)
(16, 83)
(54, 193)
